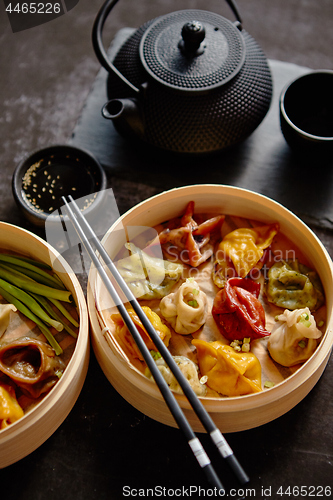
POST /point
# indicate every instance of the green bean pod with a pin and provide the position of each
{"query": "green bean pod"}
(47, 306)
(30, 285)
(64, 311)
(46, 279)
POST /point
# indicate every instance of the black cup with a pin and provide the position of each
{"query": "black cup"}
(306, 113)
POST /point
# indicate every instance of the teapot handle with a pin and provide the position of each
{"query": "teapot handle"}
(235, 10)
(98, 41)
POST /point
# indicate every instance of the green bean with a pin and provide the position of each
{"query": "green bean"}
(44, 280)
(29, 314)
(47, 306)
(29, 266)
(31, 303)
(16, 258)
(64, 311)
(30, 285)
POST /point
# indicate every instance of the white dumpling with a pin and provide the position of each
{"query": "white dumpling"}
(185, 309)
(190, 372)
(5, 310)
(148, 277)
(293, 338)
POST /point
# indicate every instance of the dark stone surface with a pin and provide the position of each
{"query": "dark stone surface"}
(45, 84)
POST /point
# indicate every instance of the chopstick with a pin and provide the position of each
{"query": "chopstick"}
(90, 241)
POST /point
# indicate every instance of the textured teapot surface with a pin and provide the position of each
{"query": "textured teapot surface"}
(201, 91)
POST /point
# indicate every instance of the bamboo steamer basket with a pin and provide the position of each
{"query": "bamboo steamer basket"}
(25, 435)
(233, 413)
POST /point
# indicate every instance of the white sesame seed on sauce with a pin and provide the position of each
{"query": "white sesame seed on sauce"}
(47, 180)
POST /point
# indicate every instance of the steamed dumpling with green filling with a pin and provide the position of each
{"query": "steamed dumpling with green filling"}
(292, 285)
(294, 337)
(148, 277)
(185, 309)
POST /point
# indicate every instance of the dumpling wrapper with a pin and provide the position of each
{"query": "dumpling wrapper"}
(189, 370)
(5, 310)
(176, 308)
(148, 277)
(294, 337)
(31, 364)
(245, 246)
(228, 372)
(292, 285)
(10, 410)
(125, 339)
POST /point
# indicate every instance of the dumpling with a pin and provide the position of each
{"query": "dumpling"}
(148, 277)
(237, 311)
(31, 364)
(244, 248)
(228, 372)
(125, 339)
(10, 410)
(292, 285)
(185, 309)
(192, 240)
(189, 370)
(294, 337)
(5, 310)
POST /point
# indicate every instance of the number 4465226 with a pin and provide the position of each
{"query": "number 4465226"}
(34, 8)
(305, 491)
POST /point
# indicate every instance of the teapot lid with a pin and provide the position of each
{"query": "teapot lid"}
(192, 50)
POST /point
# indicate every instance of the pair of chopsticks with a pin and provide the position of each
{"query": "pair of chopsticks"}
(92, 244)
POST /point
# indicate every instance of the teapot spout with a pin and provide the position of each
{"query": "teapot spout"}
(126, 116)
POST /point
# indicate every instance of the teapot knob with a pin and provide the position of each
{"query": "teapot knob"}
(193, 34)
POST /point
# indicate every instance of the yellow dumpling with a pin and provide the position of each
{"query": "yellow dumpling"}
(10, 410)
(245, 246)
(228, 372)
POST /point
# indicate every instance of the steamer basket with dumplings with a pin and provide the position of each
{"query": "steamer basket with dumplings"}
(231, 414)
(22, 437)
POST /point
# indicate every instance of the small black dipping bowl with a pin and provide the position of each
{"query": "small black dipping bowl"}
(306, 113)
(40, 181)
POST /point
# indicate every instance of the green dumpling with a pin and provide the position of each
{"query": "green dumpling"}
(292, 285)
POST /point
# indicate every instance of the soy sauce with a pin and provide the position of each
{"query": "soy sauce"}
(47, 180)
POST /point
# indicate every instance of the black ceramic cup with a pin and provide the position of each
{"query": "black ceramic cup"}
(306, 113)
(41, 179)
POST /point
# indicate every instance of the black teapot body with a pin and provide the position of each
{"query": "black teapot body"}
(189, 82)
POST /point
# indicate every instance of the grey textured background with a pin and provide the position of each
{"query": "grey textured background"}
(47, 71)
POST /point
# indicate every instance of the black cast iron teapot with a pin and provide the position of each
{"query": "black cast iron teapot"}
(188, 82)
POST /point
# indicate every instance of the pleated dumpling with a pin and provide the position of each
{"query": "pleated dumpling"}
(294, 337)
(185, 309)
(228, 372)
(190, 371)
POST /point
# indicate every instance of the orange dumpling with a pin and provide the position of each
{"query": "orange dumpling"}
(228, 372)
(125, 339)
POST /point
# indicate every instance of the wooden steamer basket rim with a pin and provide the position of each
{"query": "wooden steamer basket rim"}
(230, 413)
(35, 427)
